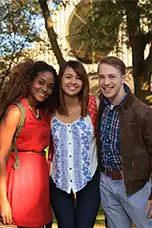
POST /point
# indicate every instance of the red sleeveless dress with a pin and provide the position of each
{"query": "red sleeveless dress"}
(28, 186)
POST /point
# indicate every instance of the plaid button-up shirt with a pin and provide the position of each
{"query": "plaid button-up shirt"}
(109, 133)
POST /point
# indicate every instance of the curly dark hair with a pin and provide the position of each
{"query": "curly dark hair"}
(20, 79)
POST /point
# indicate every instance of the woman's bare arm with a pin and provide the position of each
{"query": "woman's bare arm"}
(8, 127)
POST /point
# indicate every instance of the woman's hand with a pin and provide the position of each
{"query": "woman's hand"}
(6, 212)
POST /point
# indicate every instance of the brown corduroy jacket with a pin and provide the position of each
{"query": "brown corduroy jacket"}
(135, 141)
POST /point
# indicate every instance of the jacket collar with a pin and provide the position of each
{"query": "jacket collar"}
(130, 97)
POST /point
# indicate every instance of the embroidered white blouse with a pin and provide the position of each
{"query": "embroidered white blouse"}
(75, 154)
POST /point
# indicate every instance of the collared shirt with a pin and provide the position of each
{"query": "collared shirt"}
(75, 154)
(109, 133)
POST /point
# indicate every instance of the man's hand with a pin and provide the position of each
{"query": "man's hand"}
(149, 209)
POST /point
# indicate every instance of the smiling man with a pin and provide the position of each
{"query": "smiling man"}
(125, 139)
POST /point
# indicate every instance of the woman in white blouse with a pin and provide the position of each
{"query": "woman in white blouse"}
(74, 181)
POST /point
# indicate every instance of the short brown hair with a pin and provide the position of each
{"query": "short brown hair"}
(115, 62)
(84, 93)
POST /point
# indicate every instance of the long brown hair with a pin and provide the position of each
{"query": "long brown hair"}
(84, 93)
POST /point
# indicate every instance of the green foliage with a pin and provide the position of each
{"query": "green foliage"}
(106, 27)
(17, 25)
(59, 3)
(102, 27)
(101, 30)
(145, 8)
(18, 29)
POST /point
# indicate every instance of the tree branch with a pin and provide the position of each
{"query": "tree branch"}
(50, 30)
(148, 37)
(14, 56)
(148, 66)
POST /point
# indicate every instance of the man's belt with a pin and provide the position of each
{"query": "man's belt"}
(115, 174)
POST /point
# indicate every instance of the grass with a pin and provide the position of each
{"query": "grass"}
(100, 217)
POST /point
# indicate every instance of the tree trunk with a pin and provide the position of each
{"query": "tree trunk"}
(51, 33)
(142, 89)
(138, 43)
(138, 48)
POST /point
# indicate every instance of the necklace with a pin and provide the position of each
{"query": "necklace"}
(36, 114)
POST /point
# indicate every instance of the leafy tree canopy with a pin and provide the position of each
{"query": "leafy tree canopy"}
(109, 23)
(18, 29)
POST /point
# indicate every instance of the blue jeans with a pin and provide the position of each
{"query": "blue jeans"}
(121, 210)
(80, 212)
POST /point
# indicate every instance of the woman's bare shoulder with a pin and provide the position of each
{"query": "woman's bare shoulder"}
(12, 113)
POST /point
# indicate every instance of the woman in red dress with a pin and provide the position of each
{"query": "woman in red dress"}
(24, 192)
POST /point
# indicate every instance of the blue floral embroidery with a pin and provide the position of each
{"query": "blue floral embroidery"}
(85, 147)
(59, 147)
(77, 156)
(63, 155)
(81, 132)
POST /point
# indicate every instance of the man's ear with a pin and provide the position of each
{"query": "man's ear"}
(123, 79)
